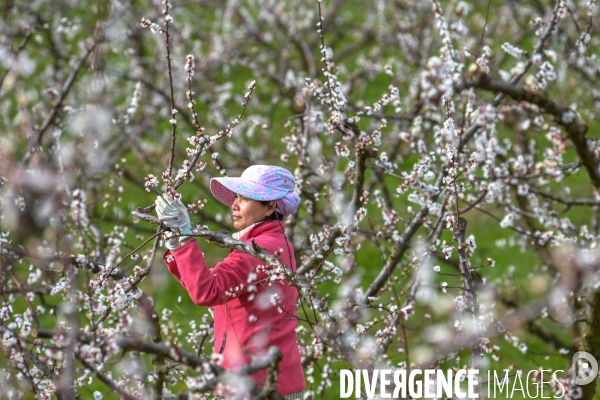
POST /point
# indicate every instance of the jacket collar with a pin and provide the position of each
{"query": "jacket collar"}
(260, 227)
(237, 235)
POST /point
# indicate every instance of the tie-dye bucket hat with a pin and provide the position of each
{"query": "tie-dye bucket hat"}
(259, 182)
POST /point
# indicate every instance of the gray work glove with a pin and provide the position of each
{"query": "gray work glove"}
(173, 213)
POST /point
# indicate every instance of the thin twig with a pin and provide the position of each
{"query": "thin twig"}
(172, 103)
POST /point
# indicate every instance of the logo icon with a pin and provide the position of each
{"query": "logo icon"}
(581, 363)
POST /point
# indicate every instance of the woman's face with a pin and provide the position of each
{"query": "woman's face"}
(246, 211)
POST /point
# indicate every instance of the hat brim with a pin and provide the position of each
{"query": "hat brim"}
(225, 189)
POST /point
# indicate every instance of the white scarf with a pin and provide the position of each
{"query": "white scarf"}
(237, 235)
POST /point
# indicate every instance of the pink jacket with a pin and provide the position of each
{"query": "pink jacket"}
(246, 323)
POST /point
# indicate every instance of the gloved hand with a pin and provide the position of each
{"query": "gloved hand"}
(171, 241)
(173, 213)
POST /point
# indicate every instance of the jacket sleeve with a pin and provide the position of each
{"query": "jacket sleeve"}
(209, 287)
(171, 264)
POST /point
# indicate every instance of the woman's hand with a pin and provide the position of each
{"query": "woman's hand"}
(173, 213)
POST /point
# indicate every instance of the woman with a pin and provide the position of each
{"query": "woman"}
(262, 314)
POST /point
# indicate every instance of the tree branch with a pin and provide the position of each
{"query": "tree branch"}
(396, 255)
(572, 123)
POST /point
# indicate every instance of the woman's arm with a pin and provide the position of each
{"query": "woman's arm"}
(169, 260)
(209, 287)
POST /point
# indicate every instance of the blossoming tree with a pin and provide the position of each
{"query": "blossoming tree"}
(444, 152)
